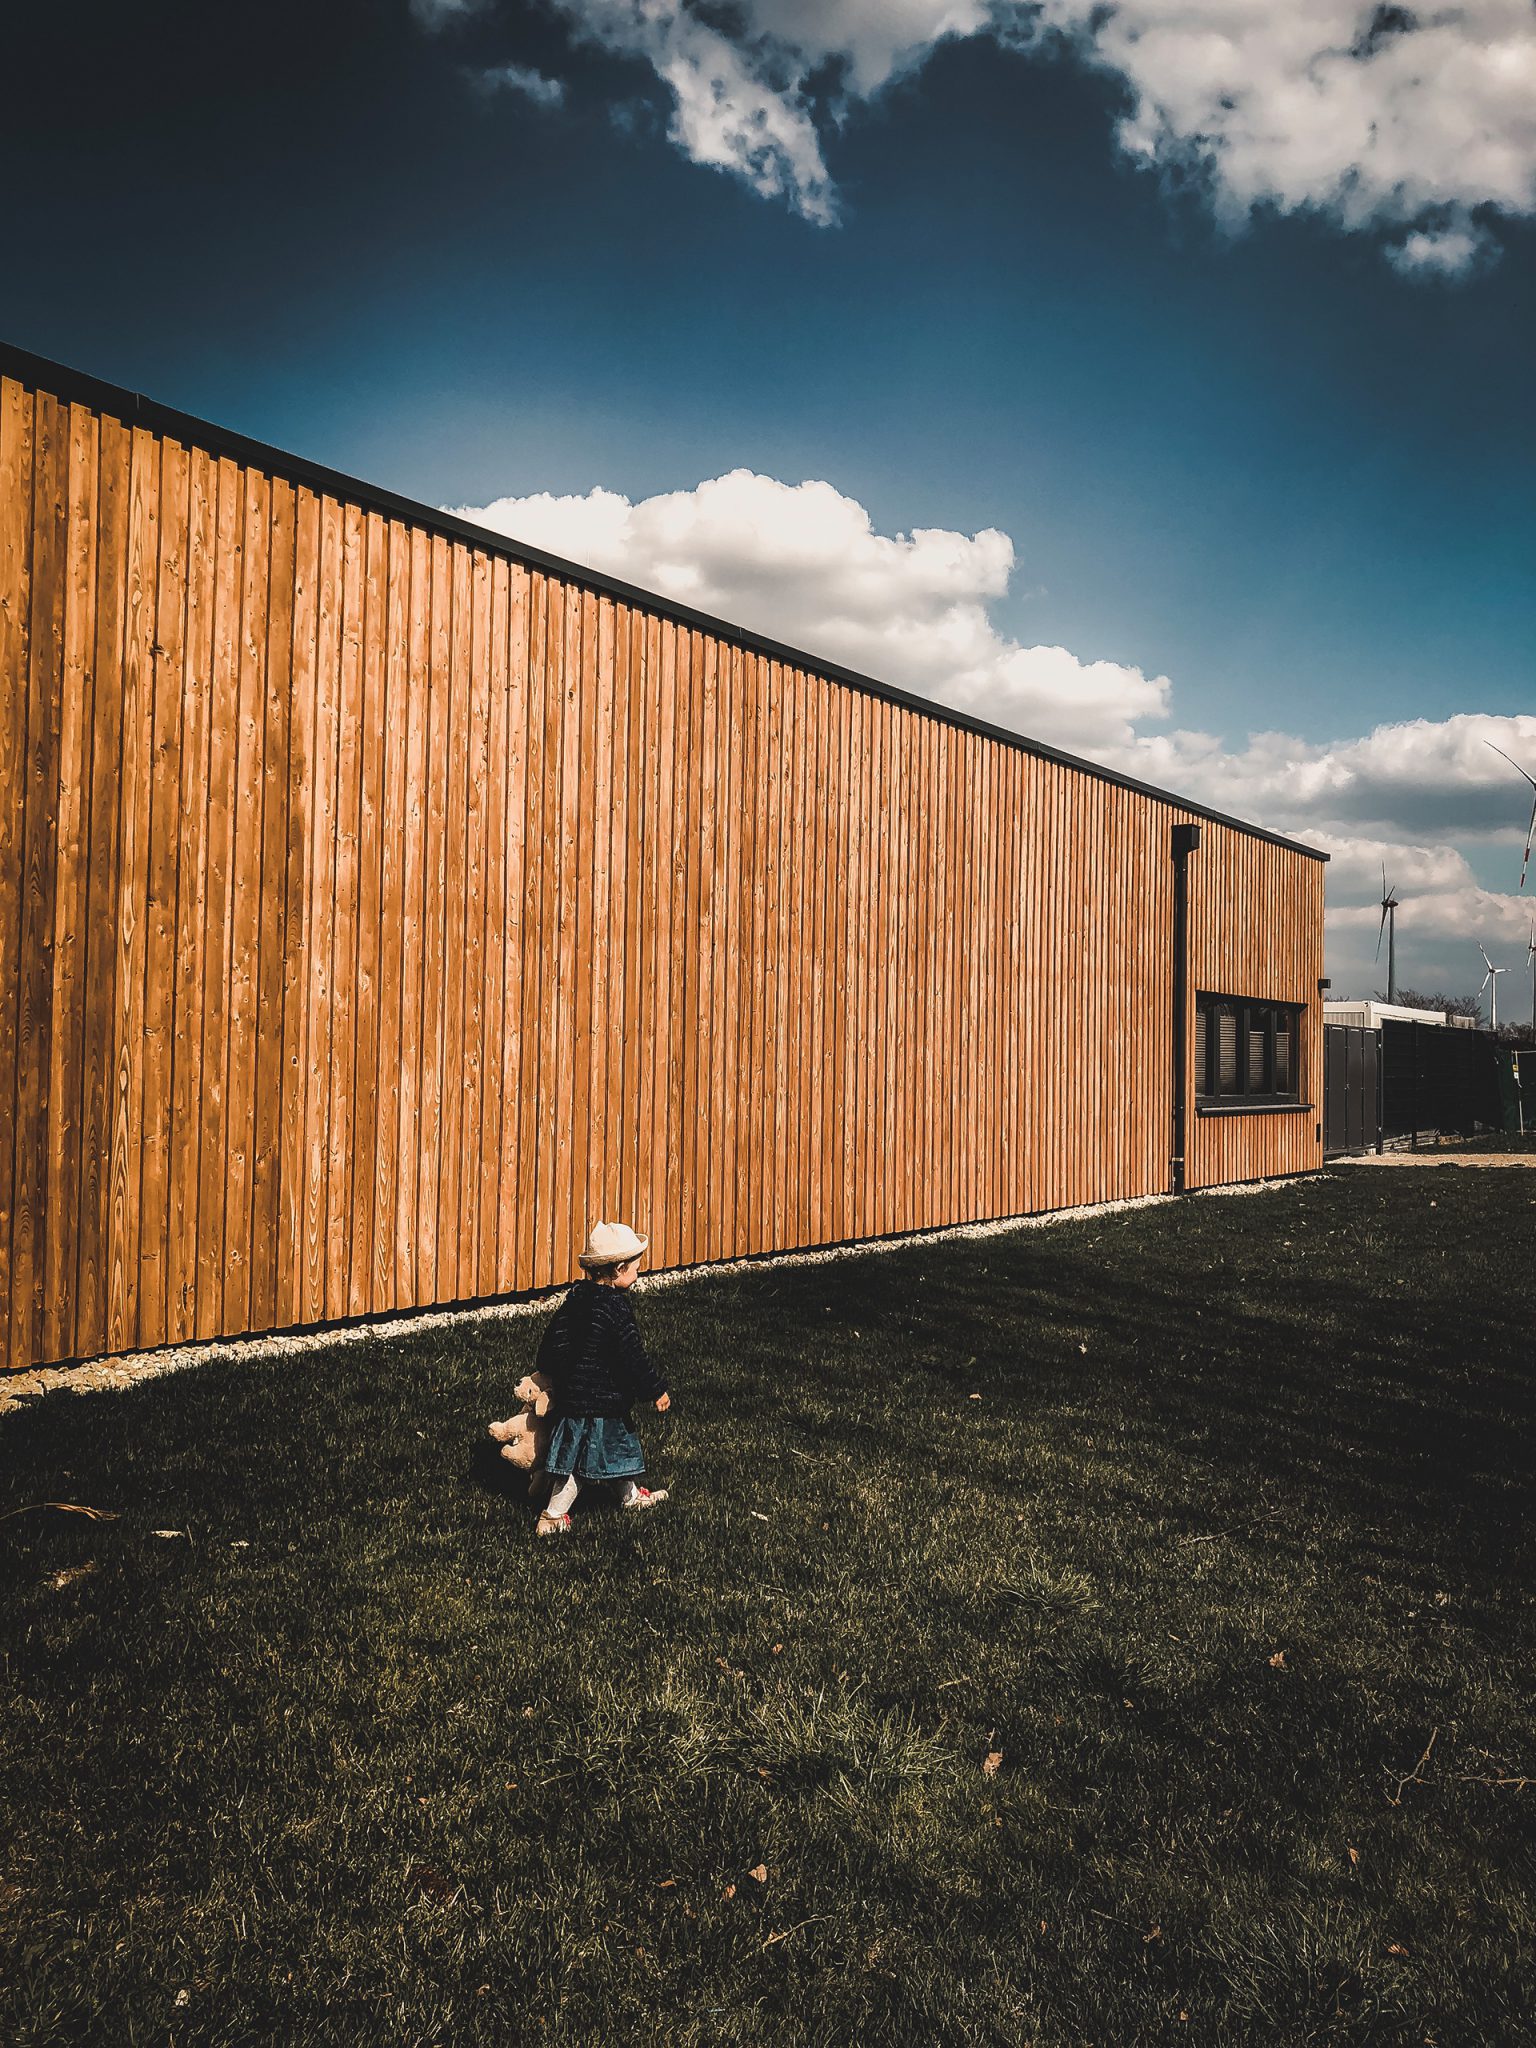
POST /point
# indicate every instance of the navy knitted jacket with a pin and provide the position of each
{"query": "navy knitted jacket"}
(593, 1357)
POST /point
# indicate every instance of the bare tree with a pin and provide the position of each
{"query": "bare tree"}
(1456, 1006)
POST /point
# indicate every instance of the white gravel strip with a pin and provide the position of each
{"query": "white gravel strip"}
(116, 1375)
(1526, 1159)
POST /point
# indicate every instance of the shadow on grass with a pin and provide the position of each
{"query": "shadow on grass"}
(488, 1472)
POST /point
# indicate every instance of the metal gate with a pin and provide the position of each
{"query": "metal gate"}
(1351, 1089)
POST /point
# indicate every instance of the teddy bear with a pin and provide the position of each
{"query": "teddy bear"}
(524, 1437)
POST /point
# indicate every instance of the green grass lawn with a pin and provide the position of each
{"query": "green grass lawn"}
(1114, 1633)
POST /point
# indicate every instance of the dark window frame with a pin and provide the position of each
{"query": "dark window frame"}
(1251, 1014)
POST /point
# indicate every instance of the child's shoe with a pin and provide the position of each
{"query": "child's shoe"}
(553, 1525)
(643, 1497)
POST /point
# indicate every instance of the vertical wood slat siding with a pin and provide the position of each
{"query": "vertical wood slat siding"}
(375, 910)
(211, 1280)
(31, 1191)
(66, 1051)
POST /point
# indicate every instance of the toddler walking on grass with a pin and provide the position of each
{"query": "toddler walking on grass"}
(595, 1362)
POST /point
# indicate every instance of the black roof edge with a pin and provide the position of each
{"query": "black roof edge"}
(134, 409)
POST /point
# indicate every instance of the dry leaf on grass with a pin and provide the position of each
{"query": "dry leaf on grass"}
(991, 1763)
(1277, 1662)
(62, 1507)
(729, 1892)
(758, 1873)
(69, 1574)
(785, 1932)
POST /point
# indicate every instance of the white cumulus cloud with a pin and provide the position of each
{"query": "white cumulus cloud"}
(1416, 797)
(803, 564)
(1449, 251)
(1444, 914)
(1419, 123)
(523, 79)
(1380, 115)
(1427, 777)
(738, 100)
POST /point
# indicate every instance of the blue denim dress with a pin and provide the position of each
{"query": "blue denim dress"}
(594, 1447)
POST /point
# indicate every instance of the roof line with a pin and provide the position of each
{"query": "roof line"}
(134, 409)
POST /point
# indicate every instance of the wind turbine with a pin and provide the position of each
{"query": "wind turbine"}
(1389, 926)
(1530, 830)
(1530, 954)
(1491, 983)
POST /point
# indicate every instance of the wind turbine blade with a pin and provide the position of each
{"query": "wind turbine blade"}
(1486, 979)
(1486, 961)
(1380, 933)
(1531, 779)
(1530, 834)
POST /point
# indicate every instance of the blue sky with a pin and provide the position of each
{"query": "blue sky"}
(1265, 469)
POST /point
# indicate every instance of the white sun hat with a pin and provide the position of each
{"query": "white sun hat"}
(612, 1244)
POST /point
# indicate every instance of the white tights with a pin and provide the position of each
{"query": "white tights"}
(565, 1493)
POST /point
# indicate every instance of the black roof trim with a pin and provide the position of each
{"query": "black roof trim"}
(134, 409)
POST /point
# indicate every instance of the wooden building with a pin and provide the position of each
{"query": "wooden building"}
(381, 900)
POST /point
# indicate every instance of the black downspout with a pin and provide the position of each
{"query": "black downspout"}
(1185, 839)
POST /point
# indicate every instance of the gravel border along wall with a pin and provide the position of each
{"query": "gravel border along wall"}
(116, 1375)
